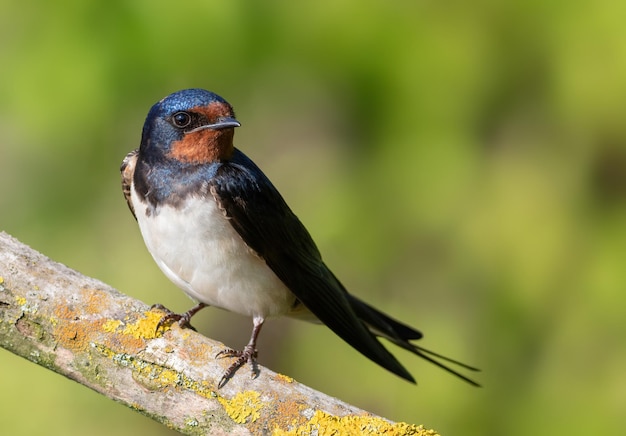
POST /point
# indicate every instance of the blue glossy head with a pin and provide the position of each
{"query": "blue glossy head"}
(192, 125)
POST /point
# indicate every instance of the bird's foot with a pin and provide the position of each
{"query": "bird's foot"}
(183, 319)
(248, 354)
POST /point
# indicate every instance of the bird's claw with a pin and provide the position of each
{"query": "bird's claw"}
(183, 319)
(248, 354)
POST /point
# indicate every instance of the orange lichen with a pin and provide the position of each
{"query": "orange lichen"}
(195, 351)
(72, 336)
(93, 300)
(289, 411)
(73, 328)
(70, 330)
(77, 324)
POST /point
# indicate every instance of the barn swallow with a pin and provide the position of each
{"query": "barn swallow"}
(218, 228)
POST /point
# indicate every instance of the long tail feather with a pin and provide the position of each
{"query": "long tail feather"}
(401, 334)
(432, 358)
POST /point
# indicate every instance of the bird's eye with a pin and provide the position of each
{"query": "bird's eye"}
(181, 119)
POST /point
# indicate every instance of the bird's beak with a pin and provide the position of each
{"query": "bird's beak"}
(222, 123)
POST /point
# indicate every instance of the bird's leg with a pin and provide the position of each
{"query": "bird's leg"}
(183, 319)
(248, 354)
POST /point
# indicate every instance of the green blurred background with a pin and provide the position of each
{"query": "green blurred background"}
(460, 165)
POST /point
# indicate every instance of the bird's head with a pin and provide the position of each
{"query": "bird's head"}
(191, 126)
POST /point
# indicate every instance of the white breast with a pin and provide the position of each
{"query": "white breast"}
(198, 249)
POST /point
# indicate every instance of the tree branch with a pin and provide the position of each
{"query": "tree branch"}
(107, 341)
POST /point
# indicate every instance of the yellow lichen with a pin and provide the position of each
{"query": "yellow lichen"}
(129, 335)
(136, 406)
(111, 325)
(154, 376)
(284, 378)
(20, 300)
(146, 327)
(324, 424)
(243, 406)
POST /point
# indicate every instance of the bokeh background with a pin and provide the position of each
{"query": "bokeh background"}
(461, 165)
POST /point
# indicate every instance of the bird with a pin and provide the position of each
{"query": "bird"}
(219, 230)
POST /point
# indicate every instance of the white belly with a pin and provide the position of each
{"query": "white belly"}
(198, 249)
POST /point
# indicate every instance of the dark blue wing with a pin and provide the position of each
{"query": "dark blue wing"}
(260, 215)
